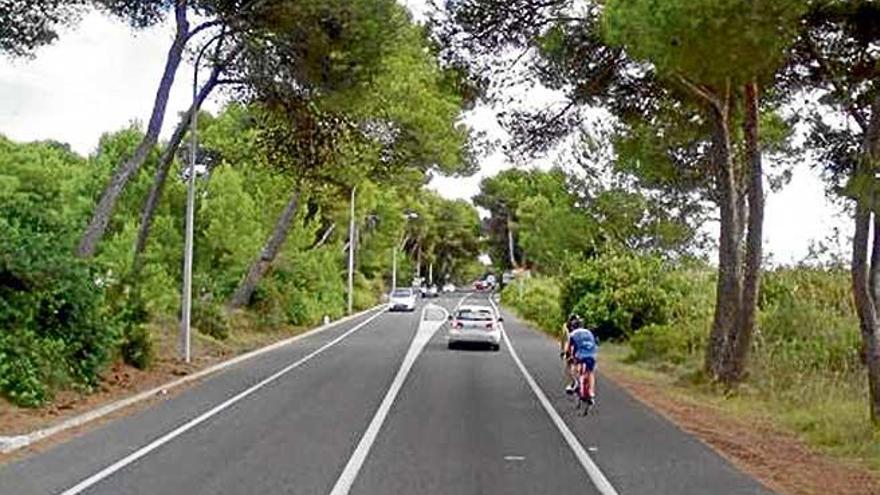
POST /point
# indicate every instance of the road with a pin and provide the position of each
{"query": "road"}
(364, 408)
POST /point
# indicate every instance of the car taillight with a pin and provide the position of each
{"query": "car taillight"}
(457, 324)
(490, 326)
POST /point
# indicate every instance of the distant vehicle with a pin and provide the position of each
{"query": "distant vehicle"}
(433, 292)
(480, 285)
(402, 300)
(475, 324)
(449, 288)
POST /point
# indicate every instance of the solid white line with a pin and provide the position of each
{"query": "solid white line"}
(353, 467)
(9, 444)
(599, 480)
(155, 444)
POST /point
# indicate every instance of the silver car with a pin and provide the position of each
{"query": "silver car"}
(474, 324)
(402, 300)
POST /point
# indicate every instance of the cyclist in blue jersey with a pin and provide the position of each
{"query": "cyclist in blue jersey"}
(570, 367)
(583, 346)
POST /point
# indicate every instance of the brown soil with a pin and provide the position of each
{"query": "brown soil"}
(776, 458)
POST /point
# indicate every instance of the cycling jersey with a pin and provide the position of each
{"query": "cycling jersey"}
(584, 344)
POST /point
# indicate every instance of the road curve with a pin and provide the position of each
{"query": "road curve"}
(463, 421)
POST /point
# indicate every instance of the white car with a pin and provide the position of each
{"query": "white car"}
(402, 300)
(449, 288)
(474, 324)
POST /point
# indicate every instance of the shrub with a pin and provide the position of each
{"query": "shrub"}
(136, 344)
(29, 367)
(137, 347)
(210, 319)
(537, 300)
(618, 294)
(55, 330)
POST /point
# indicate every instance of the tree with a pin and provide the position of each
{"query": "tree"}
(370, 123)
(834, 56)
(711, 47)
(26, 25)
(104, 209)
(629, 57)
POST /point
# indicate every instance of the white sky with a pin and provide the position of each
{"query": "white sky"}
(102, 75)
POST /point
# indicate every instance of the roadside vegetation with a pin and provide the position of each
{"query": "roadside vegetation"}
(91, 247)
(805, 372)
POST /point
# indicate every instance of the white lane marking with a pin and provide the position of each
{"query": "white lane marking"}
(10, 444)
(599, 480)
(349, 473)
(514, 458)
(155, 444)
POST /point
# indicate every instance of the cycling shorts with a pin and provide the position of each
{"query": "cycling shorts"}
(588, 361)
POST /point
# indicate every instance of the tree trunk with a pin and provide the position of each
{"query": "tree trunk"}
(103, 211)
(865, 301)
(148, 210)
(739, 342)
(728, 291)
(260, 266)
(510, 250)
(865, 278)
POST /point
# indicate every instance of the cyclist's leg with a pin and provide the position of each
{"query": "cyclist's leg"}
(590, 365)
(583, 381)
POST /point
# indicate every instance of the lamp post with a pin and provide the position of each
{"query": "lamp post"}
(351, 235)
(186, 296)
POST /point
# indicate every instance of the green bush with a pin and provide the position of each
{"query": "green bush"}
(537, 300)
(302, 288)
(136, 344)
(210, 319)
(28, 367)
(51, 315)
(690, 312)
(137, 347)
(617, 294)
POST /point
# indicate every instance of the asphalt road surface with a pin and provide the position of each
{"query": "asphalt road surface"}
(380, 406)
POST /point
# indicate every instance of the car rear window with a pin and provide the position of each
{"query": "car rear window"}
(402, 293)
(474, 314)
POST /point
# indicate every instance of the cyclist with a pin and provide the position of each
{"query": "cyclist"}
(583, 346)
(570, 370)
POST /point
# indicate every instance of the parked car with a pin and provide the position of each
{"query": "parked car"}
(474, 324)
(433, 292)
(449, 288)
(402, 300)
(480, 285)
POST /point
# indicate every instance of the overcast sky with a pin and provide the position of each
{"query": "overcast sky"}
(102, 75)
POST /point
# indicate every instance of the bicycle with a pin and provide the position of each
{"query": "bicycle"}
(582, 395)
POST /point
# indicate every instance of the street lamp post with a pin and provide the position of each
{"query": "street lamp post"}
(186, 296)
(351, 235)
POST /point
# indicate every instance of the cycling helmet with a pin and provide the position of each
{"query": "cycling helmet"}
(574, 321)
